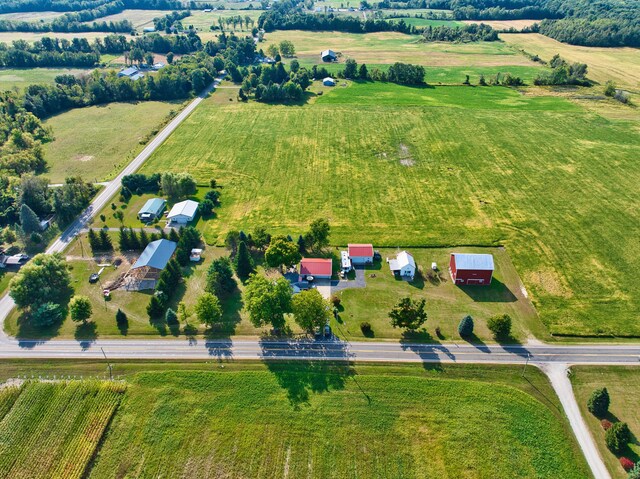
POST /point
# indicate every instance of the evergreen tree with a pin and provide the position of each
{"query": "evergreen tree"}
(134, 241)
(243, 262)
(121, 318)
(105, 241)
(301, 244)
(124, 240)
(155, 307)
(144, 239)
(465, 328)
(29, 220)
(94, 241)
(174, 236)
(363, 73)
(598, 403)
(171, 317)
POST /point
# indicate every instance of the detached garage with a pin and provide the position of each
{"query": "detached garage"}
(361, 253)
(471, 269)
(318, 268)
(183, 212)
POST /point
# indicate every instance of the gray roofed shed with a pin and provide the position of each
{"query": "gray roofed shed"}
(156, 255)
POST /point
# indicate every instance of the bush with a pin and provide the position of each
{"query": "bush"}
(500, 325)
(366, 328)
(598, 403)
(335, 300)
(627, 464)
(465, 328)
(617, 437)
(606, 425)
(635, 472)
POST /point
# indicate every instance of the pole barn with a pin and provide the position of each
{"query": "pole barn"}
(471, 269)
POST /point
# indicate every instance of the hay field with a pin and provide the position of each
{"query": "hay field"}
(30, 16)
(23, 77)
(504, 24)
(621, 65)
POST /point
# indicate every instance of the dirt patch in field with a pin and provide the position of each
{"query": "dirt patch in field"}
(406, 159)
(84, 158)
(550, 282)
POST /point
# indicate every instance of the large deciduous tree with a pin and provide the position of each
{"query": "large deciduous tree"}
(80, 308)
(208, 309)
(310, 310)
(268, 301)
(408, 314)
(281, 251)
(44, 279)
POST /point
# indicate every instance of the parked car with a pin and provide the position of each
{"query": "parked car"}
(94, 278)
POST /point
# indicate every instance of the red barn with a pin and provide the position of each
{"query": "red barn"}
(467, 269)
(319, 268)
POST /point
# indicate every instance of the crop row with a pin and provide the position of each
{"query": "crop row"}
(52, 429)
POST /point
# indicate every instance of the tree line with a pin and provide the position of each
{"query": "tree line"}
(563, 73)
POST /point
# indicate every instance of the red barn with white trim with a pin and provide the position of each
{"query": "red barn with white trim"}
(471, 269)
(319, 268)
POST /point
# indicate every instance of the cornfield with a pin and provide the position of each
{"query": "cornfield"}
(52, 429)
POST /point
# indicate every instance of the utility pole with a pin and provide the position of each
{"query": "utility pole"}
(525, 363)
(109, 365)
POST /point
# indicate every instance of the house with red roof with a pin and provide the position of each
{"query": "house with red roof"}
(361, 253)
(318, 268)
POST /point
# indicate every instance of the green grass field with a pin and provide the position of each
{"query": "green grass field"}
(23, 77)
(623, 384)
(96, 142)
(54, 429)
(400, 166)
(334, 420)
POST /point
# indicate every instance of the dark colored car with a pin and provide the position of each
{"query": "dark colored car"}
(94, 278)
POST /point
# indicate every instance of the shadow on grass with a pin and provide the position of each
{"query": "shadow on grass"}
(496, 292)
(86, 334)
(28, 331)
(301, 378)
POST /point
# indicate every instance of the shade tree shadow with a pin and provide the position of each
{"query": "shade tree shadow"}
(86, 333)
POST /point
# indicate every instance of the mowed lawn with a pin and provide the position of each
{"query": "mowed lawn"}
(442, 166)
(98, 141)
(621, 65)
(623, 384)
(320, 419)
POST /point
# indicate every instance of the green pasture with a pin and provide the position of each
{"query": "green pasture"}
(399, 166)
(623, 384)
(319, 419)
(98, 141)
(425, 22)
(22, 77)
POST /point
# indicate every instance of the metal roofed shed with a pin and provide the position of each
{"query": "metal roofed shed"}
(320, 268)
(329, 82)
(183, 212)
(328, 56)
(128, 72)
(151, 210)
(146, 270)
(470, 269)
(361, 253)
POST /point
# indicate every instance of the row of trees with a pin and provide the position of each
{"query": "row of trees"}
(466, 33)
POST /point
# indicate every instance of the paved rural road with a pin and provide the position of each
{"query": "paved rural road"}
(111, 188)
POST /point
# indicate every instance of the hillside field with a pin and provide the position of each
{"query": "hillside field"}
(623, 384)
(82, 146)
(308, 419)
(23, 77)
(399, 166)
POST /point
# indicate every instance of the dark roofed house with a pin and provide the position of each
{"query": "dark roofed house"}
(146, 270)
(467, 269)
(329, 56)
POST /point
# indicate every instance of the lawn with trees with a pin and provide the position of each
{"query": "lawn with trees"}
(608, 400)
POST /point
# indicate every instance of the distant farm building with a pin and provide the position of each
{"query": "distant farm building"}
(132, 73)
(329, 82)
(329, 56)
(404, 265)
(467, 269)
(151, 210)
(361, 253)
(146, 270)
(149, 29)
(183, 212)
(317, 268)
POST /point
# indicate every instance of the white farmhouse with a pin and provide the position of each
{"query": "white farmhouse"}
(404, 265)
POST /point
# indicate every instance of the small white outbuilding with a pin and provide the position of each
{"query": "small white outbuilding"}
(183, 212)
(329, 82)
(404, 265)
